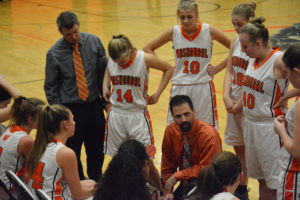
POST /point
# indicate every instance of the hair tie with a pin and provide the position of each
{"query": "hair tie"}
(119, 36)
(48, 108)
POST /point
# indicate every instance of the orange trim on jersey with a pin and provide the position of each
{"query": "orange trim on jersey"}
(192, 37)
(150, 124)
(146, 91)
(256, 66)
(130, 61)
(15, 128)
(21, 171)
(295, 166)
(288, 195)
(58, 189)
(289, 185)
(215, 102)
(6, 137)
(105, 132)
(277, 111)
(58, 140)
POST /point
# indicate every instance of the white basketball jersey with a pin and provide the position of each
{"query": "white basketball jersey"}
(223, 196)
(130, 84)
(48, 176)
(262, 90)
(239, 63)
(192, 55)
(9, 157)
(287, 162)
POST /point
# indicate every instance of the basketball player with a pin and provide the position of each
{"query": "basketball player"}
(192, 43)
(219, 180)
(52, 166)
(264, 82)
(288, 128)
(128, 118)
(15, 142)
(236, 66)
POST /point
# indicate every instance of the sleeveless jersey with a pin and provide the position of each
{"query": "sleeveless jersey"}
(9, 157)
(48, 176)
(223, 196)
(192, 55)
(262, 90)
(287, 162)
(289, 166)
(239, 63)
(130, 84)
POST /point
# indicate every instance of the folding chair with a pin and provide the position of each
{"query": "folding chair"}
(42, 195)
(22, 191)
(5, 194)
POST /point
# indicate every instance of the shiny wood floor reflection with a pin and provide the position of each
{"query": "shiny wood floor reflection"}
(28, 29)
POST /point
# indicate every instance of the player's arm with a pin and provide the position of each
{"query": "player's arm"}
(25, 146)
(213, 70)
(228, 101)
(106, 85)
(292, 145)
(66, 159)
(4, 114)
(280, 72)
(290, 94)
(219, 36)
(165, 37)
(14, 92)
(154, 62)
(101, 63)
(51, 84)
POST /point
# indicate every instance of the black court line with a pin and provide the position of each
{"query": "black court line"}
(28, 81)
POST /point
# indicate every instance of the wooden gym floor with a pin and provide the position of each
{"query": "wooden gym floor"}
(28, 29)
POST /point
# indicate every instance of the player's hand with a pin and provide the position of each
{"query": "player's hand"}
(153, 99)
(88, 185)
(237, 107)
(280, 102)
(279, 124)
(211, 70)
(106, 94)
(229, 104)
(170, 184)
(2, 80)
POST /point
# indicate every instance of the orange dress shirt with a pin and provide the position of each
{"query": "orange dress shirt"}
(205, 143)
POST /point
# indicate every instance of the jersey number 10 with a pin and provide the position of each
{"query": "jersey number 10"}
(192, 67)
(248, 100)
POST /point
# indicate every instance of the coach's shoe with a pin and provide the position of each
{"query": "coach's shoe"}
(241, 192)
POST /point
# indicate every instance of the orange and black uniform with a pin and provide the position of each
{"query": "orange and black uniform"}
(205, 143)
